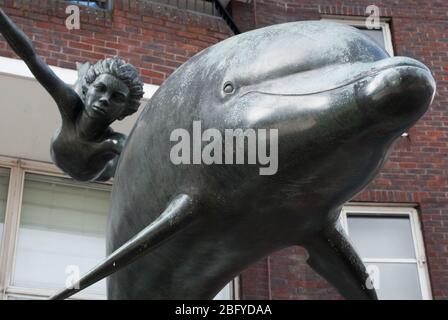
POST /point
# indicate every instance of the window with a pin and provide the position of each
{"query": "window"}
(4, 184)
(390, 243)
(382, 36)
(53, 229)
(61, 232)
(99, 4)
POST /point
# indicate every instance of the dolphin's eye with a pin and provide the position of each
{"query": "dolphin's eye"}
(228, 88)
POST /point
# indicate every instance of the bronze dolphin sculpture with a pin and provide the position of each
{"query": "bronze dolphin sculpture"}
(338, 102)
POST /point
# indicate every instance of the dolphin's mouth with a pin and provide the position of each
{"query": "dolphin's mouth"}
(330, 78)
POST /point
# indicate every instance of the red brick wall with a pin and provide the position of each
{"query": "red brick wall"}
(157, 39)
(417, 170)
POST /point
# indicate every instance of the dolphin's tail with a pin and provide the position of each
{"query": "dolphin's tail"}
(333, 257)
(178, 215)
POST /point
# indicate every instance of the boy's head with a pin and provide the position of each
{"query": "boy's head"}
(112, 88)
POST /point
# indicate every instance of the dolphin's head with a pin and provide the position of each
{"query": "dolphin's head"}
(337, 99)
(287, 76)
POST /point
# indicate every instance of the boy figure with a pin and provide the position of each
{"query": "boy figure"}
(85, 147)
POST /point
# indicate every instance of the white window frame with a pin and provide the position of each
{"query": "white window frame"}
(361, 23)
(18, 169)
(410, 212)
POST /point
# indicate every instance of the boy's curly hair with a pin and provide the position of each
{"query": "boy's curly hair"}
(123, 71)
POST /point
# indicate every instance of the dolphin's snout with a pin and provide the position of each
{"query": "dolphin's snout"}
(395, 62)
(396, 95)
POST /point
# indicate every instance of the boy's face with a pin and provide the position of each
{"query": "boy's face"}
(107, 98)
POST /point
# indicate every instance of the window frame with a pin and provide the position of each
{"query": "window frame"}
(385, 210)
(18, 169)
(8, 201)
(361, 22)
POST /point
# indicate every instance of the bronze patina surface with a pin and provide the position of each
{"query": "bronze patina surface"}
(338, 102)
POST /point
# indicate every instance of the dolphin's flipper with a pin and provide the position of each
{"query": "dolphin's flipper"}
(332, 256)
(178, 214)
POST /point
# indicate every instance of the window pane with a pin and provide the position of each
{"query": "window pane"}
(376, 35)
(397, 281)
(225, 293)
(62, 228)
(90, 3)
(4, 183)
(381, 236)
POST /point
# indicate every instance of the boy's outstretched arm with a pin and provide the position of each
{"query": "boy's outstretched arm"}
(64, 96)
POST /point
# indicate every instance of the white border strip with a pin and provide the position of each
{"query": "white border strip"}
(18, 68)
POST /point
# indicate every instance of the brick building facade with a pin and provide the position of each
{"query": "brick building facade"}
(158, 38)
